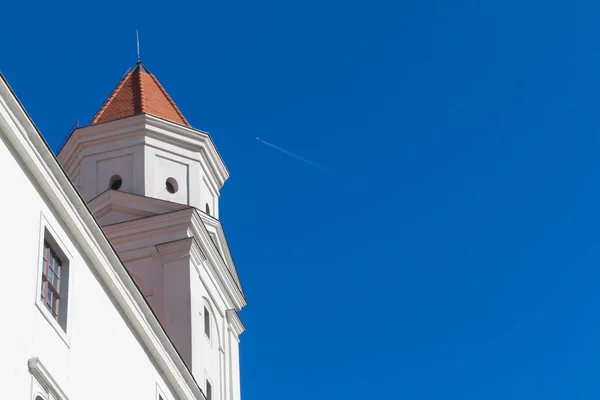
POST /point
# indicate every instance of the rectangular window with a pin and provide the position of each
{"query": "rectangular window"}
(208, 391)
(206, 322)
(51, 281)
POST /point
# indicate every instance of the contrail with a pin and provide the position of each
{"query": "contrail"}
(284, 151)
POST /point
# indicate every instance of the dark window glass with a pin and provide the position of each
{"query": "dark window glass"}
(206, 322)
(51, 271)
(115, 182)
(170, 187)
(208, 391)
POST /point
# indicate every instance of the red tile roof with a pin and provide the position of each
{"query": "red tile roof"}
(139, 92)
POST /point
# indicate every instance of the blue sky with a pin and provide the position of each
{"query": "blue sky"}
(456, 252)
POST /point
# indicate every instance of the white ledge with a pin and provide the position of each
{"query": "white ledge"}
(37, 369)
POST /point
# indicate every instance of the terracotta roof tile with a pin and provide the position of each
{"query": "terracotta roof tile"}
(139, 92)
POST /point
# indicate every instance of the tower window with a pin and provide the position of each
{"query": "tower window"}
(207, 209)
(115, 182)
(207, 322)
(171, 185)
(208, 390)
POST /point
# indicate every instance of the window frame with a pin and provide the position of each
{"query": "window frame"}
(52, 269)
(209, 395)
(54, 238)
(160, 394)
(207, 326)
(208, 381)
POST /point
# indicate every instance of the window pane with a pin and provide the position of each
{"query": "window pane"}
(55, 306)
(208, 391)
(206, 322)
(51, 283)
(45, 260)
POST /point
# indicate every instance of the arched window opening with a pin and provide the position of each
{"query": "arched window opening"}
(207, 209)
(115, 182)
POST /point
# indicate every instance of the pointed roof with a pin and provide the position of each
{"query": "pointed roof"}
(139, 92)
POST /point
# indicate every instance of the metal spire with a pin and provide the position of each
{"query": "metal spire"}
(137, 39)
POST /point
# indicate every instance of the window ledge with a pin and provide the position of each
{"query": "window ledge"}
(54, 323)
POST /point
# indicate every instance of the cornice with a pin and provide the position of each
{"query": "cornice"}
(234, 322)
(198, 255)
(136, 205)
(227, 257)
(143, 226)
(35, 155)
(227, 284)
(176, 249)
(146, 125)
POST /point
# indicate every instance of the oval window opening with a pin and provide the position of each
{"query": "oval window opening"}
(115, 182)
(171, 185)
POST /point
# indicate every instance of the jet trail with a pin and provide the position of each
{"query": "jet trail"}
(284, 151)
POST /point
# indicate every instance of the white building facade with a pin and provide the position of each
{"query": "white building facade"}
(121, 283)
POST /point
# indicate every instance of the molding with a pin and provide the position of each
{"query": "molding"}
(35, 156)
(135, 205)
(197, 254)
(222, 239)
(39, 371)
(228, 283)
(172, 251)
(235, 323)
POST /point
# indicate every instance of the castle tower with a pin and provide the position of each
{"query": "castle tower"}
(153, 183)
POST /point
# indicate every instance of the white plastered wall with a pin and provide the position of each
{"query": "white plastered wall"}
(99, 357)
(208, 361)
(95, 153)
(99, 163)
(184, 166)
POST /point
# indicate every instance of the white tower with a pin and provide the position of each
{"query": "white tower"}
(153, 182)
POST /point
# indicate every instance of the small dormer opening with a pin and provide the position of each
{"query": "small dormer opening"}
(171, 185)
(115, 182)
